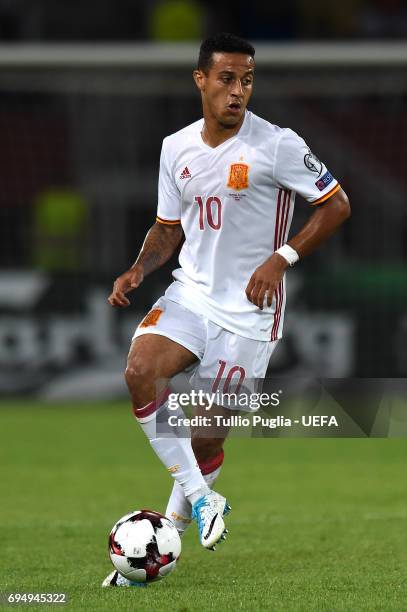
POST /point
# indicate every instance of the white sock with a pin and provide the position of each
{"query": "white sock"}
(175, 452)
(179, 508)
(210, 479)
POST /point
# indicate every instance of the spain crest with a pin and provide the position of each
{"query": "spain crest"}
(151, 317)
(238, 176)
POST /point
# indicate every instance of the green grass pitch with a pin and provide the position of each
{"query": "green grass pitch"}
(317, 524)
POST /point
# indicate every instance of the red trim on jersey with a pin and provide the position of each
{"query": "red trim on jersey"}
(327, 195)
(145, 411)
(278, 311)
(279, 239)
(276, 240)
(283, 221)
(283, 236)
(210, 465)
(167, 221)
(283, 239)
(280, 191)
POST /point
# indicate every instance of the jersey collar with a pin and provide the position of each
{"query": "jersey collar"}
(240, 133)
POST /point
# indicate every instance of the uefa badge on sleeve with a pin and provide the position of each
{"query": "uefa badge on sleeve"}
(312, 162)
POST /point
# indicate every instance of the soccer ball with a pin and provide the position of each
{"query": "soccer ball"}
(144, 546)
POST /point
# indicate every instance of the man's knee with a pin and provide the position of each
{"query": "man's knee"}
(137, 369)
(154, 358)
(140, 372)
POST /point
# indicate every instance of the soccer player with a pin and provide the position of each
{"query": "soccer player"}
(227, 186)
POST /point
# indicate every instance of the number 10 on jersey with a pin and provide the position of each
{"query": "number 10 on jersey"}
(210, 212)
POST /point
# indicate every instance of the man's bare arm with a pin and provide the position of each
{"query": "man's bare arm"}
(321, 225)
(159, 245)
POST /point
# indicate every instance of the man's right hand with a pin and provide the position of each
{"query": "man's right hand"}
(126, 282)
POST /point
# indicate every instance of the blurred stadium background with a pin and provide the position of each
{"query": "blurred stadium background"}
(86, 97)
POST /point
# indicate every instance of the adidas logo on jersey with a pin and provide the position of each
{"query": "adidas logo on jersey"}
(185, 173)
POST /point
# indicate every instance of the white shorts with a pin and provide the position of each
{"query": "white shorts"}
(227, 362)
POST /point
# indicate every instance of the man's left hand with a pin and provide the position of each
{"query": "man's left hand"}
(265, 279)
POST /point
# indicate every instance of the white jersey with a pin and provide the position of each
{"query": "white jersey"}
(235, 203)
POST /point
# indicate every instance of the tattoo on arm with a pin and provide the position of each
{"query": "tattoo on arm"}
(160, 243)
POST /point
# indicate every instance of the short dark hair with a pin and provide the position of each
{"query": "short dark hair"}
(222, 43)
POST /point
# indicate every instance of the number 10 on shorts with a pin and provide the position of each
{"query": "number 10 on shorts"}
(234, 376)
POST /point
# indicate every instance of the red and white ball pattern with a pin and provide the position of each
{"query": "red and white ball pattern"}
(144, 546)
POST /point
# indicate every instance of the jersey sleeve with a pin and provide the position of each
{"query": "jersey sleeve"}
(298, 169)
(169, 197)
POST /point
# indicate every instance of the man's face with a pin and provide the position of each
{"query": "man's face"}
(227, 87)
